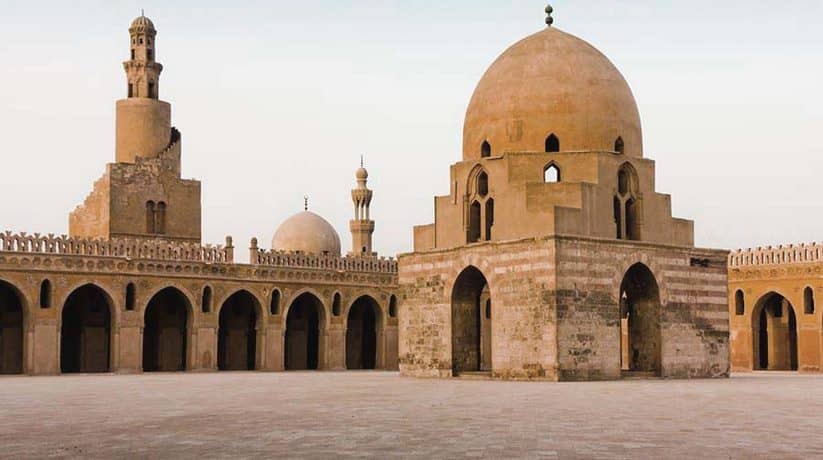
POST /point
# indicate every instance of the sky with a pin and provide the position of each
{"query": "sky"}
(278, 99)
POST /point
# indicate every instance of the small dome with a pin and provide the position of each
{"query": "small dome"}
(306, 232)
(142, 21)
(552, 83)
(361, 173)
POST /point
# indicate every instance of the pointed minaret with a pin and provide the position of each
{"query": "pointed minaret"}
(143, 120)
(362, 227)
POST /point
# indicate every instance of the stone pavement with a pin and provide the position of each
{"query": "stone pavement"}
(377, 414)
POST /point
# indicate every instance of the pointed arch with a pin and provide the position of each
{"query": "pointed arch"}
(85, 331)
(238, 322)
(13, 312)
(808, 300)
(364, 331)
(485, 150)
(640, 310)
(619, 146)
(483, 183)
(470, 333)
(552, 143)
(739, 303)
(551, 173)
(45, 294)
(774, 334)
(131, 294)
(167, 322)
(274, 305)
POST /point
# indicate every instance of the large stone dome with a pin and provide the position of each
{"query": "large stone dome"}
(552, 83)
(306, 232)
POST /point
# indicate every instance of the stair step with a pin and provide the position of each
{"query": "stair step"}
(474, 375)
(638, 375)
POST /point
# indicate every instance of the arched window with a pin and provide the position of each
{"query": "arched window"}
(392, 306)
(274, 306)
(619, 147)
(130, 296)
(483, 184)
(45, 294)
(627, 205)
(150, 217)
(335, 306)
(808, 301)
(739, 303)
(474, 223)
(485, 150)
(551, 175)
(552, 144)
(206, 307)
(160, 219)
(489, 218)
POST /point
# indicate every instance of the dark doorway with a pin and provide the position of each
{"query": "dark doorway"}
(85, 333)
(362, 332)
(640, 321)
(237, 336)
(469, 329)
(303, 345)
(166, 332)
(11, 331)
(775, 334)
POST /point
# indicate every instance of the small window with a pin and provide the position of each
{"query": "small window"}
(130, 296)
(335, 306)
(160, 219)
(552, 144)
(808, 301)
(132, 54)
(485, 150)
(150, 217)
(739, 303)
(274, 307)
(131, 90)
(45, 294)
(149, 54)
(393, 306)
(488, 309)
(489, 218)
(151, 90)
(474, 222)
(363, 249)
(140, 40)
(551, 175)
(206, 307)
(483, 184)
(619, 147)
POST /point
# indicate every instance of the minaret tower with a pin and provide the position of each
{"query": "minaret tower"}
(362, 227)
(143, 121)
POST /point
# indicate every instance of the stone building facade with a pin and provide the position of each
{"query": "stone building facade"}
(553, 256)
(775, 324)
(132, 289)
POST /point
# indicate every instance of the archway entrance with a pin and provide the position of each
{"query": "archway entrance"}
(304, 334)
(11, 330)
(362, 332)
(237, 336)
(774, 334)
(640, 321)
(471, 323)
(165, 332)
(85, 333)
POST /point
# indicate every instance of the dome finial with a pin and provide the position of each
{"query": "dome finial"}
(549, 18)
(305, 202)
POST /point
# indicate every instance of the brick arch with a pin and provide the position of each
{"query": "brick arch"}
(111, 299)
(294, 296)
(259, 308)
(24, 300)
(477, 262)
(382, 309)
(623, 268)
(192, 319)
(194, 316)
(65, 355)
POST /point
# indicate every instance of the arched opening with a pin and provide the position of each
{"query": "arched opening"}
(619, 147)
(85, 332)
(485, 150)
(392, 306)
(362, 333)
(489, 218)
(808, 301)
(131, 294)
(274, 306)
(11, 330)
(627, 205)
(205, 307)
(45, 294)
(335, 304)
(471, 331)
(303, 333)
(551, 175)
(739, 303)
(640, 321)
(160, 219)
(165, 334)
(150, 217)
(552, 144)
(474, 222)
(774, 334)
(483, 184)
(237, 333)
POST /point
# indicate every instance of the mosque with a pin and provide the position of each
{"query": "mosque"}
(132, 289)
(553, 257)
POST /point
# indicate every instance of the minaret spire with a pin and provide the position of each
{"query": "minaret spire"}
(362, 227)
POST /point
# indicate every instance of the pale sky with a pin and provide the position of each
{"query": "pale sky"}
(277, 99)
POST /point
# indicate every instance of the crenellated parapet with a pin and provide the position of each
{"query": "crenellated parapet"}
(781, 255)
(140, 249)
(284, 259)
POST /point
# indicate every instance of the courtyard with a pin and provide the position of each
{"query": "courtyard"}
(379, 414)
